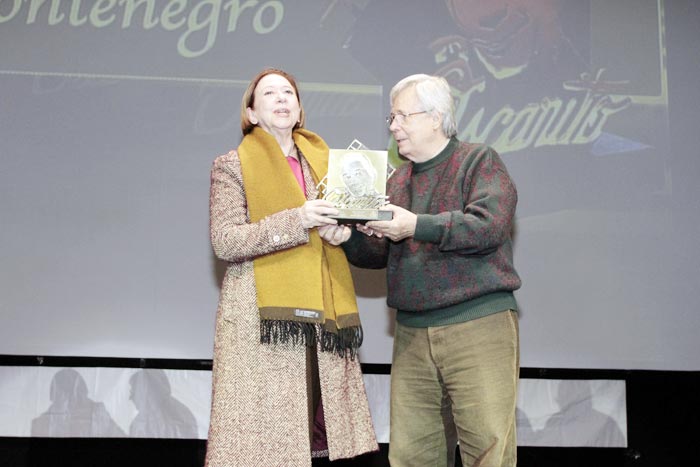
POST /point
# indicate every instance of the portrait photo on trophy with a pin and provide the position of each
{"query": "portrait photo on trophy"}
(356, 184)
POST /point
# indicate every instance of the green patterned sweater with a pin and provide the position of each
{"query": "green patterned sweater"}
(458, 265)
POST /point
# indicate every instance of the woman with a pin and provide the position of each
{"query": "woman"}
(287, 328)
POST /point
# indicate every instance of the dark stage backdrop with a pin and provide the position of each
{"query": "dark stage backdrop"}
(111, 113)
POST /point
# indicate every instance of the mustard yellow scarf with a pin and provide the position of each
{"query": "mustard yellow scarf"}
(307, 285)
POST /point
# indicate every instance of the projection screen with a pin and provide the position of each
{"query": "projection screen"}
(111, 113)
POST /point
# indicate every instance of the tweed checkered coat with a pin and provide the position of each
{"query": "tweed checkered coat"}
(259, 414)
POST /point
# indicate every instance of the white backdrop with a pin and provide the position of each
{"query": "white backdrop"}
(154, 403)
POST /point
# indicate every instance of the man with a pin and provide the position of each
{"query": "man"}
(358, 175)
(450, 276)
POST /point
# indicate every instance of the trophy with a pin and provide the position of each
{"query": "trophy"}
(356, 184)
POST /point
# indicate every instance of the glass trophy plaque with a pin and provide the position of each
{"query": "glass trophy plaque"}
(356, 184)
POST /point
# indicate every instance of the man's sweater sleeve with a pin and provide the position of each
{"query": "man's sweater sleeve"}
(366, 252)
(486, 219)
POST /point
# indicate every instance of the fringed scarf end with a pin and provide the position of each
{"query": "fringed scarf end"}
(273, 331)
(345, 342)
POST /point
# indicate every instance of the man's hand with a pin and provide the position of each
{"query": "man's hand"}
(403, 225)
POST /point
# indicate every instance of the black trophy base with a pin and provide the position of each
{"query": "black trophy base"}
(360, 216)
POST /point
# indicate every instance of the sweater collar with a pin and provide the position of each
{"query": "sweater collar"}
(437, 160)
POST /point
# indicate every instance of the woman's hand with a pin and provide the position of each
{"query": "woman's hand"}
(368, 231)
(402, 225)
(314, 213)
(335, 234)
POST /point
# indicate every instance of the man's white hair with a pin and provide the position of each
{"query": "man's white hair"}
(434, 94)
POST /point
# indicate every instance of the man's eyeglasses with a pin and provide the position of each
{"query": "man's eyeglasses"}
(401, 117)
